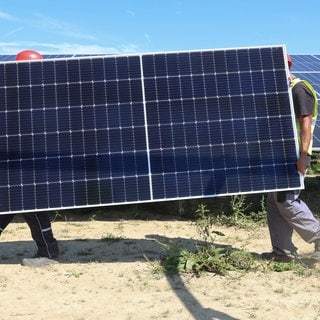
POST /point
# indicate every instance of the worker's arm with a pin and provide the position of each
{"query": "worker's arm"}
(305, 138)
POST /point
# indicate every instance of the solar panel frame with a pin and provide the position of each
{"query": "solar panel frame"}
(106, 130)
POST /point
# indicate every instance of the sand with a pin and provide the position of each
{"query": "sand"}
(108, 270)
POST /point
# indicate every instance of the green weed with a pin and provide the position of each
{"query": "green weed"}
(219, 259)
(73, 273)
(241, 215)
(213, 259)
(208, 257)
(204, 223)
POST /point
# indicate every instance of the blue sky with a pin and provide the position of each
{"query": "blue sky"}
(123, 26)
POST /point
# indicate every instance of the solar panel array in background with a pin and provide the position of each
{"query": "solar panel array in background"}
(95, 131)
(10, 57)
(308, 67)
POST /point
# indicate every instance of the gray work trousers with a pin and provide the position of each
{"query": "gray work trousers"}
(287, 212)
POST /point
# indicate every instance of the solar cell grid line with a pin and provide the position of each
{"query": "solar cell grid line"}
(105, 130)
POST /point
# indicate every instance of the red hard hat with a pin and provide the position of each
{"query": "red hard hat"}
(290, 63)
(28, 55)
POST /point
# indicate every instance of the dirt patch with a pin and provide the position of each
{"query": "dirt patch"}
(104, 274)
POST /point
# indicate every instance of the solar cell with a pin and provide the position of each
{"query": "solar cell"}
(102, 130)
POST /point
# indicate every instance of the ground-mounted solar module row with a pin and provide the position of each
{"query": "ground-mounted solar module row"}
(308, 67)
(11, 57)
(104, 130)
(314, 79)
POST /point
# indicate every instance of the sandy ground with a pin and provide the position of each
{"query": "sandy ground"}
(104, 274)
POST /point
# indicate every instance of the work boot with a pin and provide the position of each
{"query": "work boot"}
(278, 257)
(316, 255)
(38, 262)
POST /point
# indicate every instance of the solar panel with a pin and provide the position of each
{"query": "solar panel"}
(11, 57)
(7, 57)
(106, 130)
(308, 67)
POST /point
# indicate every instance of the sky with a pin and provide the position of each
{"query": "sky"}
(140, 26)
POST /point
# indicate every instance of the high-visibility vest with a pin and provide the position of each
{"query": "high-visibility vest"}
(315, 110)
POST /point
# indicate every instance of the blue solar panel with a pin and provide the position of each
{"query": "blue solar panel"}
(11, 57)
(308, 67)
(105, 130)
(7, 57)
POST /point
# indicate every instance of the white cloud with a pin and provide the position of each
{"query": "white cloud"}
(75, 48)
(130, 13)
(65, 31)
(11, 32)
(61, 27)
(9, 47)
(44, 22)
(8, 17)
(147, 36)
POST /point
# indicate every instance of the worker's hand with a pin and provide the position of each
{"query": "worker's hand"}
(302, 163)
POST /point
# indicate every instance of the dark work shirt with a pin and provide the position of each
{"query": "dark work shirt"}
(303, 100)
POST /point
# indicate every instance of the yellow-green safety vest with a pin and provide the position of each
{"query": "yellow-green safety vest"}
(315, 111)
